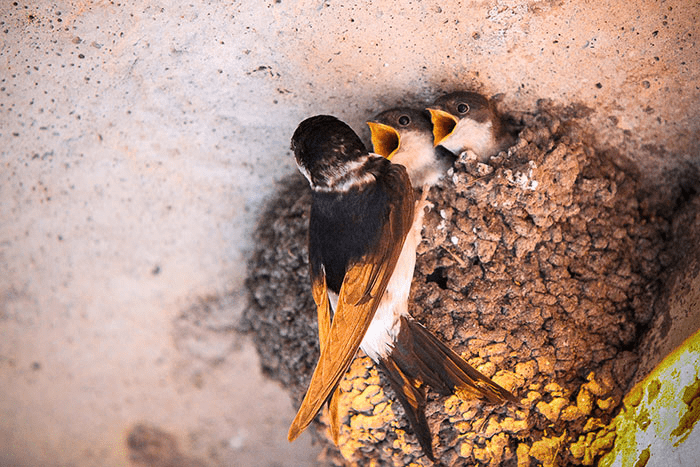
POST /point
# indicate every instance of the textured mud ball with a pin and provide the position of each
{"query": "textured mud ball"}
(540, 268)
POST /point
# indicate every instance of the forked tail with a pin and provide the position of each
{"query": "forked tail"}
(419, 359)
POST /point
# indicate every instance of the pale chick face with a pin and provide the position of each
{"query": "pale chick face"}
(475, 136)
(404, 135)
(476, 125)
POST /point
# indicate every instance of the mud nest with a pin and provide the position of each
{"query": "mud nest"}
(539, 267)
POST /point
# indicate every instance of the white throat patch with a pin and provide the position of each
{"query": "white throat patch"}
(470, 134)
(417, 154)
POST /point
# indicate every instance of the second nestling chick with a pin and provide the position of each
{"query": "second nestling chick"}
(405, 136)
(469, 121)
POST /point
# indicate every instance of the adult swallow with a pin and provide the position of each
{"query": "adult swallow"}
(405, 136)
(364, 228)
(469, 121)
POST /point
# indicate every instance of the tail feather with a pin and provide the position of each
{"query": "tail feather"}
(333, 414)
(411, 394)
(419, 359)
(448, 372)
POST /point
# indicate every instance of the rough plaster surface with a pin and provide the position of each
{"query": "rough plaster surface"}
(139, 139)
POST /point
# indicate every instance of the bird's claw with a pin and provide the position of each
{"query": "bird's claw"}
(424, 198)
(423, 203)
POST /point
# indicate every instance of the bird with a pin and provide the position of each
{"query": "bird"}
(465, 120)
(405, 136)
(364, 227)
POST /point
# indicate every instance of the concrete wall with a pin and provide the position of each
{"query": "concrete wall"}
(139, 139)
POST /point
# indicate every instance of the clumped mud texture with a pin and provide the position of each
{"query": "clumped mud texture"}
(540, 268)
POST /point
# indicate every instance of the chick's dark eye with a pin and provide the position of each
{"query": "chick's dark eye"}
(404, 120)
(462, 108)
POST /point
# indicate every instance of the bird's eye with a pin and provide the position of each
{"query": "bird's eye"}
(462, 108)
(404, 120)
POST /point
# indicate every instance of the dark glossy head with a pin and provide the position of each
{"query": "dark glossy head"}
(325, 149)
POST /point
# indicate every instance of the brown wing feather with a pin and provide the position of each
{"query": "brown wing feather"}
(363, 286)
(319, 290)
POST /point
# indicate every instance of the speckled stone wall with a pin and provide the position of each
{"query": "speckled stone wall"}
(139, 139)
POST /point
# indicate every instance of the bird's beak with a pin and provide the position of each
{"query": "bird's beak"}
(385, 139)
(443, 125)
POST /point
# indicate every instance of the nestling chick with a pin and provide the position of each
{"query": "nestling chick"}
(469, 121)
(405, 136)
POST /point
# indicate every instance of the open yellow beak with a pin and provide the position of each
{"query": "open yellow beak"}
(385, 139)
(443, 125)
